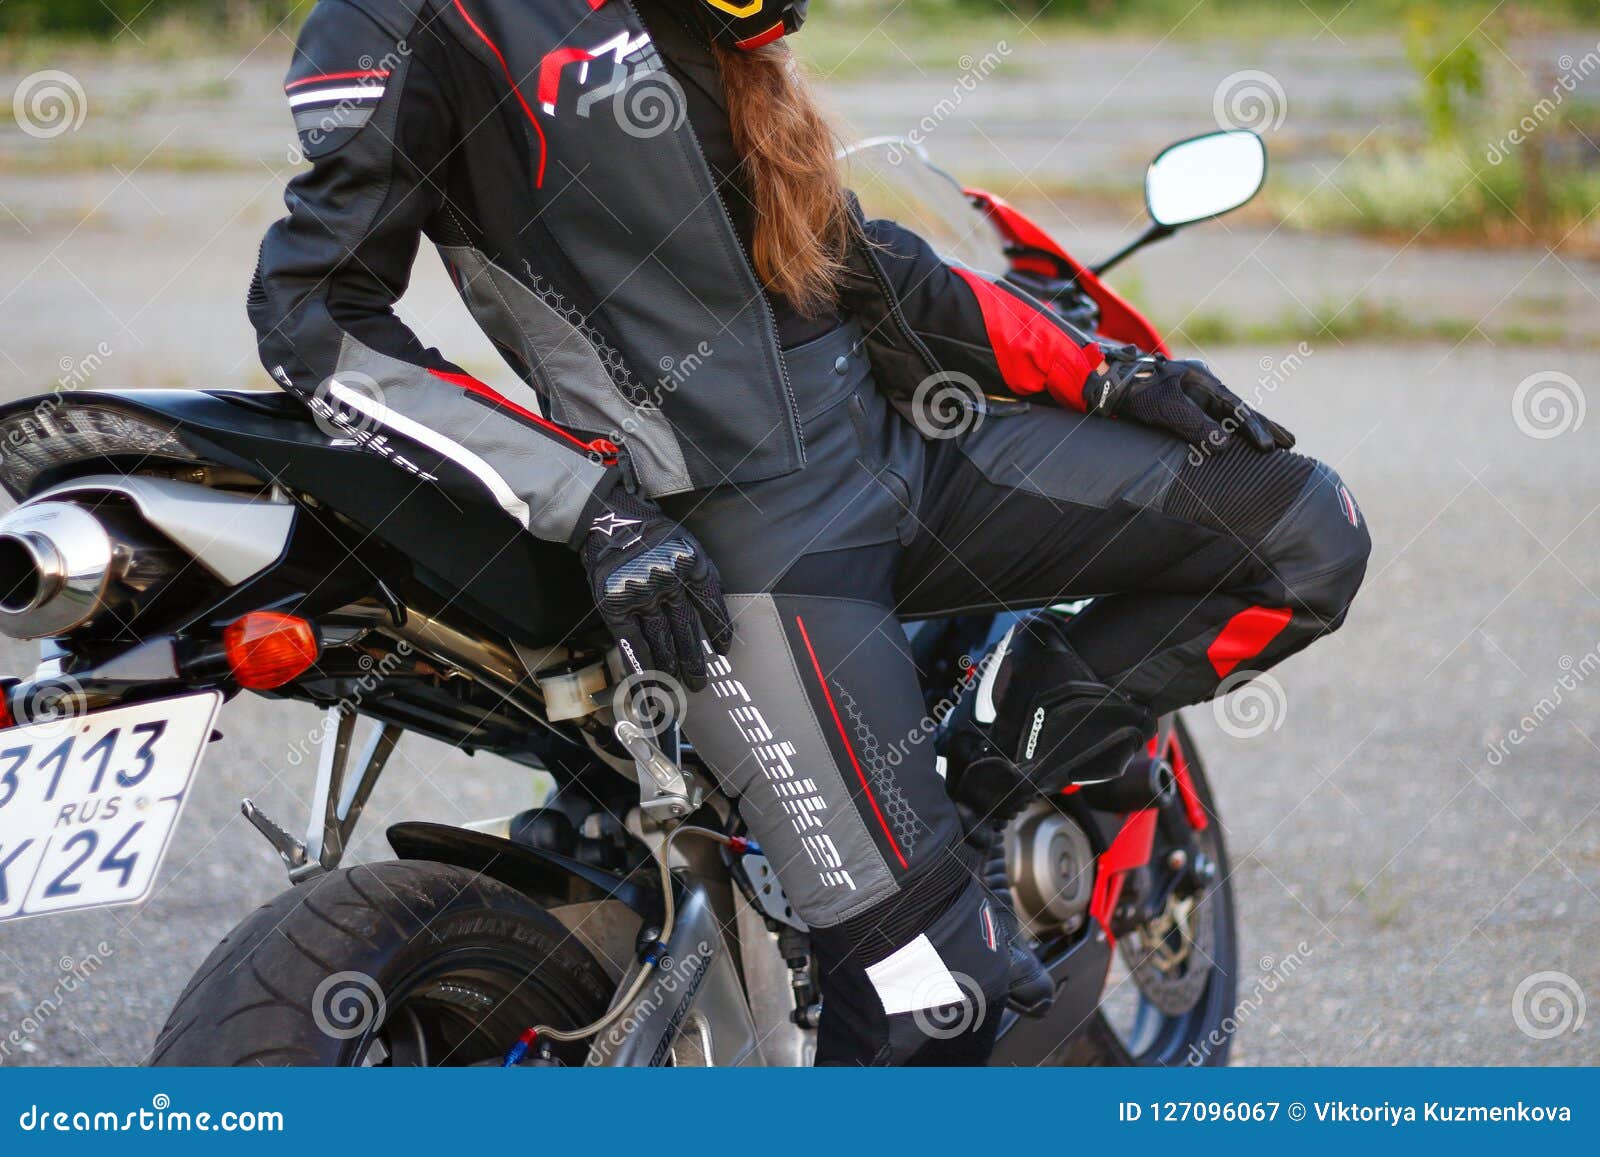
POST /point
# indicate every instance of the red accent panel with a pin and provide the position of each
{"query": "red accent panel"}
(760, 38)
(839, 723)
(1118, 319)
(473, 385)
(1246, 636)
(538, 181)
(550, 71)
(1130, 850)
(1033, 353)
(368, 74)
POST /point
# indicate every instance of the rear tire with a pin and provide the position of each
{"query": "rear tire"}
(394, 963)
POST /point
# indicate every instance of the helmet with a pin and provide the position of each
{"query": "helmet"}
(751, 23)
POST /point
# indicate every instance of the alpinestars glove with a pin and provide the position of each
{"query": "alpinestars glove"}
(655, 588)
(1182, 397)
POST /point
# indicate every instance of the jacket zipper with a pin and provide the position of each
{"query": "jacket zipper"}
(897, 314)
(772, 316)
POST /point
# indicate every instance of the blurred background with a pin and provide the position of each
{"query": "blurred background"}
(1412, 805)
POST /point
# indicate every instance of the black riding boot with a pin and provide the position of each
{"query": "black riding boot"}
(1055, 725)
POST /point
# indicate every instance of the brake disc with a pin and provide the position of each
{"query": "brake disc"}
(1171, 957)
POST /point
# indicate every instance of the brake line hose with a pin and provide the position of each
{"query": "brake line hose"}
(650, 961)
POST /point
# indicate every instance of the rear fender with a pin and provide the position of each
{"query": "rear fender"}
(544, 876)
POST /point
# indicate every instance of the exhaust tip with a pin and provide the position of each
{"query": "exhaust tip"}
(55, 567)
(30, 573)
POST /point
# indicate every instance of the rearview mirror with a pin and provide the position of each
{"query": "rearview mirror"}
(1204, 177)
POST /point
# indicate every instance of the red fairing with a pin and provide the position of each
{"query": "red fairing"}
(1130, 850)
(1033, 352)
(1133, 843)
(1118, 319)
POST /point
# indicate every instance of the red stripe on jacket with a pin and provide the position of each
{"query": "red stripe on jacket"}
(365, 74)
(538, 180)
(1033, 352)
(472, 385)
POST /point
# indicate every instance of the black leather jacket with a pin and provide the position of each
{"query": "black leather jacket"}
(542, 150)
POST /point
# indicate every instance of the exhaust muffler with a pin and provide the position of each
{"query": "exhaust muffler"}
(62, 566)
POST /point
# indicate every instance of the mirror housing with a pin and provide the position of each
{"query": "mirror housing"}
(1204, 177)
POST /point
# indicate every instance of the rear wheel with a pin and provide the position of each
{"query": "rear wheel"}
(1172, 989)
(401, 963)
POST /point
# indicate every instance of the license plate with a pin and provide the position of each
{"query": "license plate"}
(89, 804)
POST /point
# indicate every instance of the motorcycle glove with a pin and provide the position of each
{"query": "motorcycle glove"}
(654, 586)
(1182, 397)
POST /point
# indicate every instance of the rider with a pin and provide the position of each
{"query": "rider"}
(718, 358)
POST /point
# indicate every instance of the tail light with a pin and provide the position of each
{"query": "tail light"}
(58, 432)
(267, 649)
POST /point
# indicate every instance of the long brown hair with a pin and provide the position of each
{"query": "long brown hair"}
(803, 224)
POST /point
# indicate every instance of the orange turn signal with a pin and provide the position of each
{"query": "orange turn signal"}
(266, 649)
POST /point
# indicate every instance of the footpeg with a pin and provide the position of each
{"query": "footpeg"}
(664, 792)
(291, 850)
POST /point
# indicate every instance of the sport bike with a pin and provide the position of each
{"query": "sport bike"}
(173, 549)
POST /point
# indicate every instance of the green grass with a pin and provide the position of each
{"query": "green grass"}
(80, 156)
(1447, 195)
(1362, 321)
(159, 33)
(929, 30)
(861, 44)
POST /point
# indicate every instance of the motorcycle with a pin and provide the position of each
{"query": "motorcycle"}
(173, 549)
